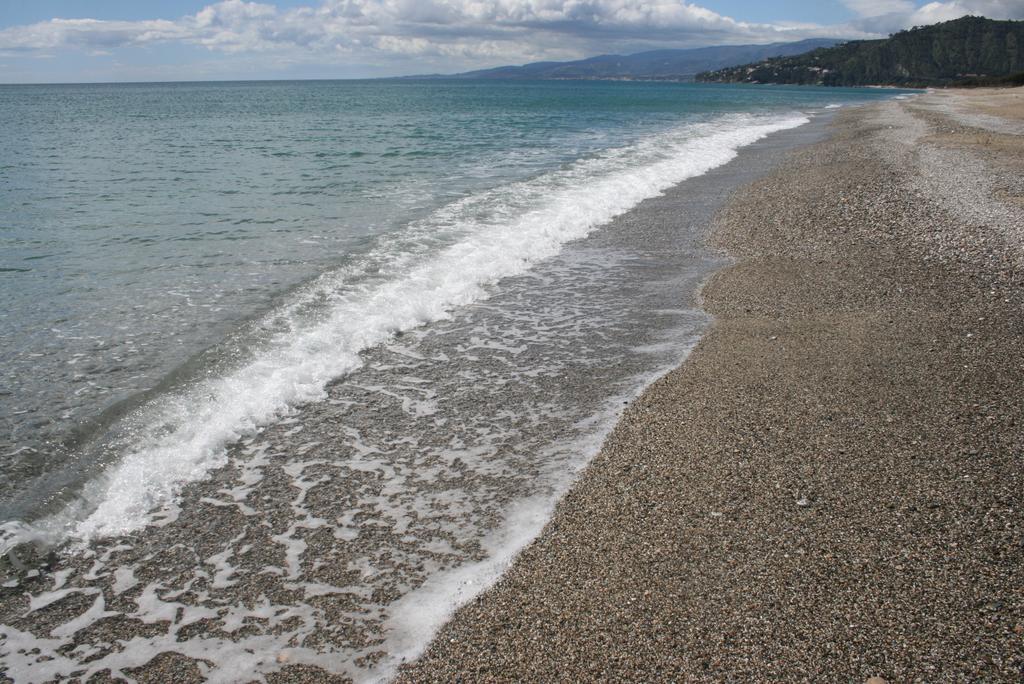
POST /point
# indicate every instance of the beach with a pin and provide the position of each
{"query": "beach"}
(826, 487)
(830, 487)
(314, 494)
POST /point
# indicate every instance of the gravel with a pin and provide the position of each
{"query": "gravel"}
(831, 486)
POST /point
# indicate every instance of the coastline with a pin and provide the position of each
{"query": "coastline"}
(830, 485)
(209, 581)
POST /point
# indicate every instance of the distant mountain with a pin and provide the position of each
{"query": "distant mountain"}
(668, 65)
(940, 54)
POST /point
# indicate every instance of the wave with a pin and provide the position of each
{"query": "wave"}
(410, 279)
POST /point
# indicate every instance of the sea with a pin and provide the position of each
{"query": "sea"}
(290, 370)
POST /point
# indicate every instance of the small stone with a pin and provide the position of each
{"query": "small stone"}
(803, 502)
(876, 680)
(283, 657)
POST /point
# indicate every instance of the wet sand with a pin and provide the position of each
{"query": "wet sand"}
(831, 486)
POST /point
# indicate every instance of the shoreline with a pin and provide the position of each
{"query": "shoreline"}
(829, 485)
(257, 559)
(687, 207)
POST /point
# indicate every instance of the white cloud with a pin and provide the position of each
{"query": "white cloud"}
(89, 33)
(456, 33)
(886, 16)
(487, 28)
(944, 11)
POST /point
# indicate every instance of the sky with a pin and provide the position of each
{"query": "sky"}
(47, 41)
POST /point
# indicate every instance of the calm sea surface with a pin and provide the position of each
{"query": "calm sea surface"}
(193, 275)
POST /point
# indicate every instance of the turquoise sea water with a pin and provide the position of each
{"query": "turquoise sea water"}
(141, 224)
(186, 268)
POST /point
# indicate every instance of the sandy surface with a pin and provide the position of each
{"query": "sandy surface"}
(998, 110)
(831, 487)
(1006, 103)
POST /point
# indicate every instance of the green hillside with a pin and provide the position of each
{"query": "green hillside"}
(937, 55)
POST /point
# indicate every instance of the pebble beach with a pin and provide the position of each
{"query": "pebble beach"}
(830, 487)
(827, 487)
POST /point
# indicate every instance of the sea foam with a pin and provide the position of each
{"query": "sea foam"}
(465, 404)
(422, 275)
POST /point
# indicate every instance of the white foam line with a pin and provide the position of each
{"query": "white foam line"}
(182, 437)
(414, 620)
(417, 616)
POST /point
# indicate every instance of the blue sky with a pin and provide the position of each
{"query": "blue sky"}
(132, 40)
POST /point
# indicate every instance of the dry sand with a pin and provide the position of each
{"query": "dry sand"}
(1005, 103)
(831, 487)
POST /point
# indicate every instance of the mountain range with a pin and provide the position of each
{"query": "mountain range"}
(966, 51)
(667, 65)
